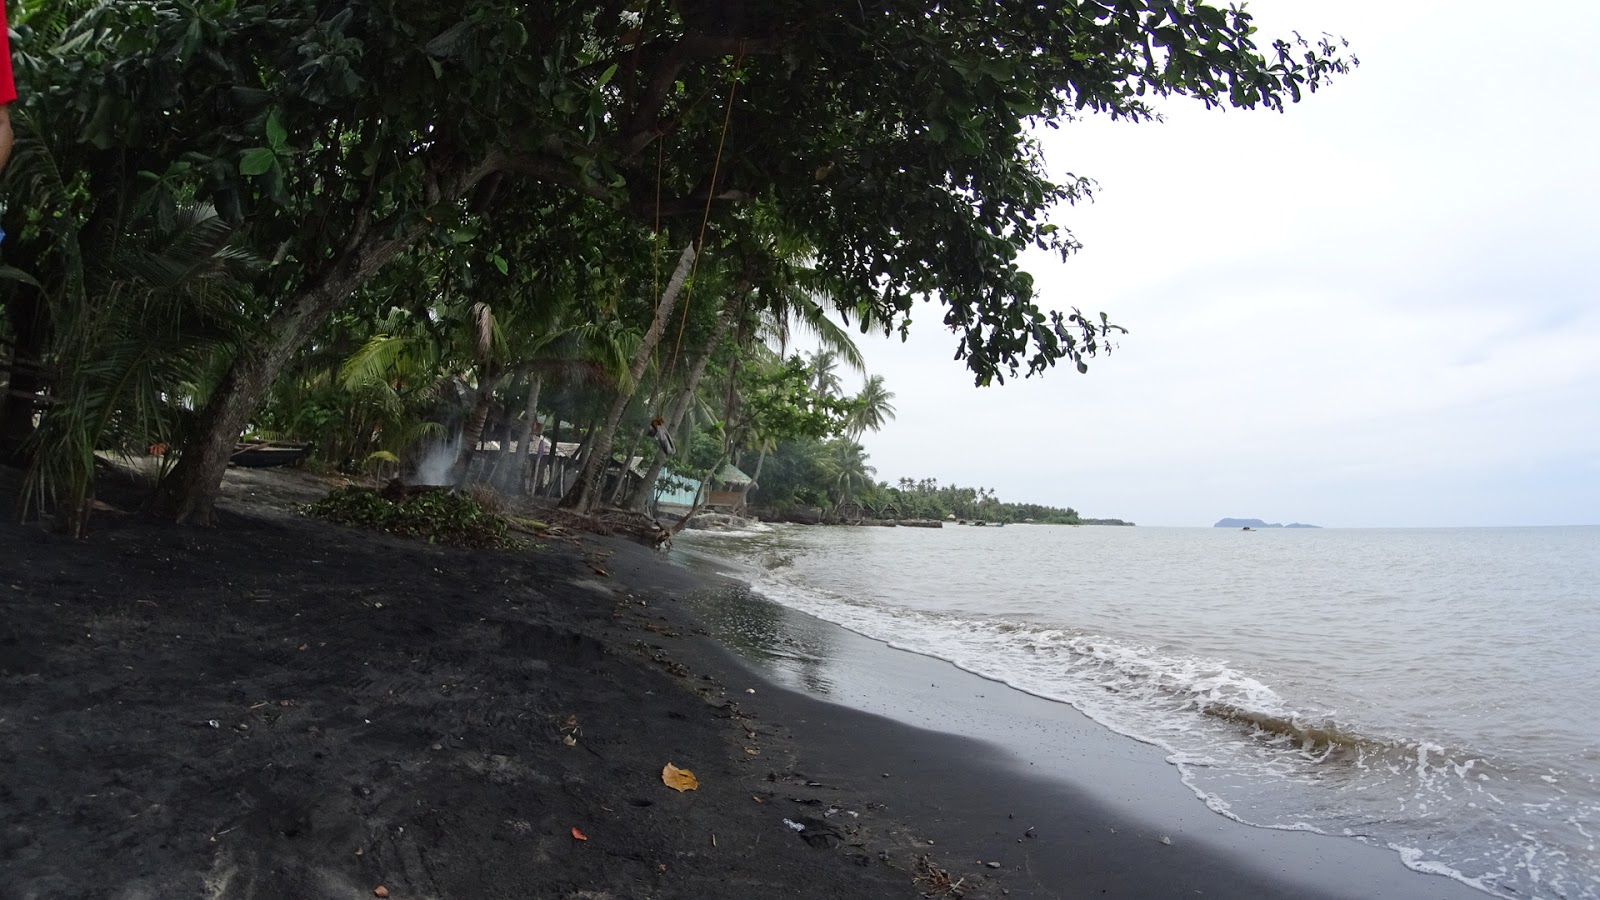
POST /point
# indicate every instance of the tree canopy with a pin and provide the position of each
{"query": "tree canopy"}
(858, 157)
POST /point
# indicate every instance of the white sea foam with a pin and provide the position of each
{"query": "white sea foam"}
(1317, 737)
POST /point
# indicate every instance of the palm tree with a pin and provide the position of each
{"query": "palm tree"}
(872, 408)
(132, 338)
(824, 379)
(844, 462)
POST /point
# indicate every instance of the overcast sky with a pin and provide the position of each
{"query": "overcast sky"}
(1378, 309)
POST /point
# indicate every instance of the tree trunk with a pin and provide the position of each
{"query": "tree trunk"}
(640, 498)
(744, 495)
(585, 494)
(580, 453)
(189, 492)
(503, 428)
(550, 464)
(622, 476)
(525, 446)
(472, 432)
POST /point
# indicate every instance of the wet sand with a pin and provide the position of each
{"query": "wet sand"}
(276, 707)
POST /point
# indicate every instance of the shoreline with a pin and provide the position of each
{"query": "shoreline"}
(281, 707)
(1127, 791)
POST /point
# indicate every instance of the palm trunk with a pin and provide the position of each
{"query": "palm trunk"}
(744, 495)
(529, 454)
(640, 498)
(622, 477)
(585, 494)
(472, 433)
(551, 465)
(504, 439)
(579, 456)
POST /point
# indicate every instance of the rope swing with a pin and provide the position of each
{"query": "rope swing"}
(658, 429)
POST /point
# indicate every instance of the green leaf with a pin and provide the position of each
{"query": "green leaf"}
(606, 75)
(257, 161)
(277, 137)
(501, 264)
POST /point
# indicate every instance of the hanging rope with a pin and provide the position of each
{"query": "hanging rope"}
(705, 219)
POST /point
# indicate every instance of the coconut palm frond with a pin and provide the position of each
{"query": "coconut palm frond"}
(375, 361)
(814, 319)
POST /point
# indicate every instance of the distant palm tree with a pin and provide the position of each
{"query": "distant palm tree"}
(873, 408)
(824, 378)
(844, 462)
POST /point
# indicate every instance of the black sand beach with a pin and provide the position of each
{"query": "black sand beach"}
(276, 707)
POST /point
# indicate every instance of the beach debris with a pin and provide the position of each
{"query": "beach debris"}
(678, 779)
(749, 690)
(935, 880)
(1166, 840)
(992, 864)
(213, 723)
(569, 740)
(600, 571)
(815, 832)
(380, 891)
(578, 835)
(1029, 833)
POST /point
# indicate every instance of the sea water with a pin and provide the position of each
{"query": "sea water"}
(1435, 691)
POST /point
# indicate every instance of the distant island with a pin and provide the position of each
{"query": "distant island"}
(1257, 523)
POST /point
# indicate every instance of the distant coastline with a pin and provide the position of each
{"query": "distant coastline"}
(1257, 523)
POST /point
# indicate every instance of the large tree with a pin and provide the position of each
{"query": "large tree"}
(892, 135)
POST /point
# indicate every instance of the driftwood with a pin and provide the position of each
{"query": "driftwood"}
(609, 520)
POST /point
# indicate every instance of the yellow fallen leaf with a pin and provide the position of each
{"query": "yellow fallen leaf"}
(678, 779)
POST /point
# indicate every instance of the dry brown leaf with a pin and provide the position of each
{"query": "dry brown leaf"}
(678, 779)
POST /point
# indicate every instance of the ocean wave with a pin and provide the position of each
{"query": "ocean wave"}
(1255, 746)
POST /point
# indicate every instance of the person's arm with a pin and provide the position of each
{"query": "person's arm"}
(8, 89)
(6, 137)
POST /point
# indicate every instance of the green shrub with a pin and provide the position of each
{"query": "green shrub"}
(440, 517)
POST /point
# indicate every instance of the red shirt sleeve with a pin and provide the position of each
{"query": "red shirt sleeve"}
(8, 87)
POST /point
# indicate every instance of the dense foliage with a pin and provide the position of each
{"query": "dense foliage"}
(415, 228)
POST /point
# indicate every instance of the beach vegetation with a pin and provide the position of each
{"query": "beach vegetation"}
(456, 518)
(467, 233)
